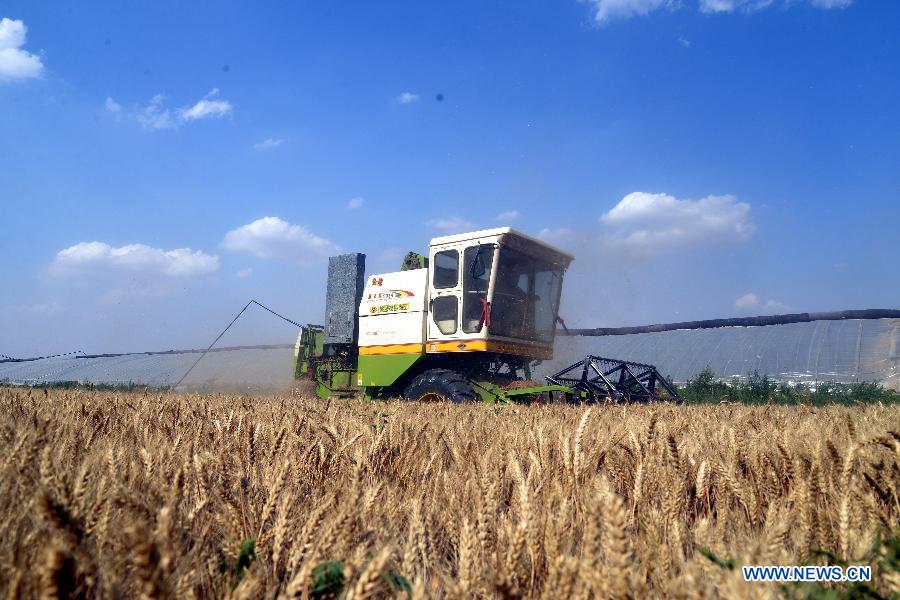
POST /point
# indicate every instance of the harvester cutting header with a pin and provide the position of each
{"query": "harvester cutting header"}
(465, 323)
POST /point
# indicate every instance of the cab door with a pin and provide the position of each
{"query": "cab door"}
(444, 292)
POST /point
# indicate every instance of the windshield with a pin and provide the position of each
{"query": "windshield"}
(478, 261)
(526, 297)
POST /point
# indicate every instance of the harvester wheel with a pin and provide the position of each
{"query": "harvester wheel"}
(438, 385)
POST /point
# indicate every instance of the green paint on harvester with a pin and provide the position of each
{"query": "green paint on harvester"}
(309, 345)
(383, 370)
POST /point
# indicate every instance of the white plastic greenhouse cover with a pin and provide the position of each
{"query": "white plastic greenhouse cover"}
(845, 351)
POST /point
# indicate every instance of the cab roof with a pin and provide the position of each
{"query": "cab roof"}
(485, 233)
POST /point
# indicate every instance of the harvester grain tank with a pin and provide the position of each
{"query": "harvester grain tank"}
(467, 322)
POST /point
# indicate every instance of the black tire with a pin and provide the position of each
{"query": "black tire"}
(440, 385)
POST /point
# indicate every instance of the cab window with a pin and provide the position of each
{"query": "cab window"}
(446, 269)
(526, 297)
(444, 310)
(477, 263)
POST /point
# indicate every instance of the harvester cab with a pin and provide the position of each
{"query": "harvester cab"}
(464, 323)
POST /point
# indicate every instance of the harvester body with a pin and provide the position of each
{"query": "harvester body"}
(467, 322)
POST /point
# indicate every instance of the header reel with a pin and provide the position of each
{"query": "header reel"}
(615, 381)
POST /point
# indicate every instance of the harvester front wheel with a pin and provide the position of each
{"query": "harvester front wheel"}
(440, 385)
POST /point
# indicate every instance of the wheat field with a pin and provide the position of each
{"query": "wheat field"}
(177, 496)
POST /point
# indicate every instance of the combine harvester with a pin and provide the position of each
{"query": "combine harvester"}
(466, 323)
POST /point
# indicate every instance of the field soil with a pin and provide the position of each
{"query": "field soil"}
(177, 496)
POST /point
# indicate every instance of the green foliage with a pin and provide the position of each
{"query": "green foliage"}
(703, 387)
(246, 557)
(758, 388)
(883, 557)
(723, 563)
(328, 580)
(398, 582)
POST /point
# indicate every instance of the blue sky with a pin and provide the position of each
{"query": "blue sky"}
(161, 163)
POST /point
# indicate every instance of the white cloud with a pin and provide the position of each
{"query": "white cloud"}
(684, 41)
(508, 216)
(158, 116)
(271, 237)
(604, 10)
(451, 224)
(727, 6)
(111, 105)
(244, 273)
(16, 63)
(570, 240)
(155, 115)
(777, 306)
(407, 98)
(12, 33)
(556, 235)
(181, 262)
(356, 202)
(748, 301)
(751, 301)
(607, 10)
(268, 143)
(715, 6)
(718, 6)
(207, 108)
(831, 3)
(649, 223)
